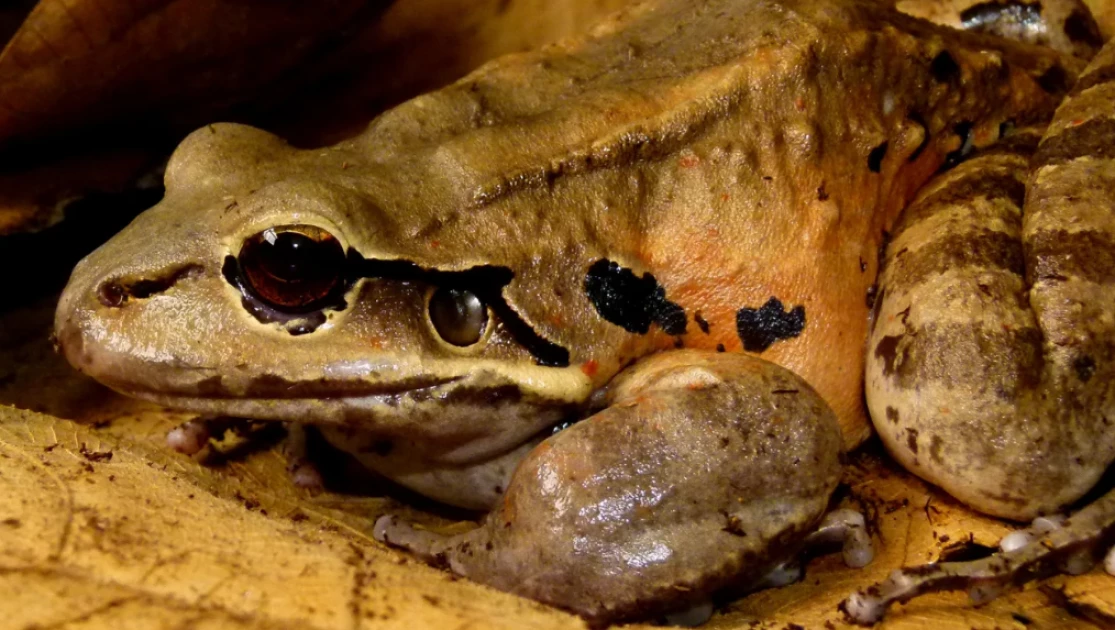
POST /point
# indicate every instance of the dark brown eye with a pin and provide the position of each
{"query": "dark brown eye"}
(293, 267)
(459, 316)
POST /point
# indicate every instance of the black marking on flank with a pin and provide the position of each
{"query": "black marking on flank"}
(702, 323)
(822, 194)
(892, 415)
(1085, 367)
(1055, 80)
(631, 302)
(1081, 28)
(875, 158)
(944, 67)
(720, 347)
(759, 328)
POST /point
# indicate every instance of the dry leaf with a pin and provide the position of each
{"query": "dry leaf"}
(102, 531)
(82, 62)
(142, 74)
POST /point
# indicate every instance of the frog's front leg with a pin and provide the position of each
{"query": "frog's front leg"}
(704, 471)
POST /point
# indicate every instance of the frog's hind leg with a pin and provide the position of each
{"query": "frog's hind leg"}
(1073, 547)
(991, 362)
(703, 472)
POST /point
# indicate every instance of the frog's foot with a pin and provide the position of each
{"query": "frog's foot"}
(703, 473)
(303, 472)
(847, 528)
(692, 617)
(189, 438)
(1048, 547)
(428, 546)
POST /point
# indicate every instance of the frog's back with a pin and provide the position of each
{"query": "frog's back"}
(748, 155)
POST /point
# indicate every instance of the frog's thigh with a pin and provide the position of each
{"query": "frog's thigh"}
(705, 470)
(990, 354)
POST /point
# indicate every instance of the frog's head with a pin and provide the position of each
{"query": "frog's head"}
(308, 285)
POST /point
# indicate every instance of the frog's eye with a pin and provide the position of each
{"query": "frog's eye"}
(294, 268)
(459, 316)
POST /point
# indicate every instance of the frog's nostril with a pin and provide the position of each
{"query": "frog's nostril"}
(115, 293)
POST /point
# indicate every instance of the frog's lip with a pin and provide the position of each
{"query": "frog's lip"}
(217, 395)
(272, 387)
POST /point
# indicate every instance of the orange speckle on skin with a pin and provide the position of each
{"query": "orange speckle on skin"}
(1077, 121)
(589, 367)
(556, 319)
(725, 196)
(800, 104)
(435, 244)
(944, 410)
(689, 161)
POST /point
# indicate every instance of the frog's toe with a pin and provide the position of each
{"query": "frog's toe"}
(392, 530)
(1038, 527)
(189, 438)
(691, 617)
(864, 607)
(1051, 545)
(303, 472)
(782, 575)
(848, 528)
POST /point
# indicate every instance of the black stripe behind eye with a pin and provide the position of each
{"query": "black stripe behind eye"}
(486, 281)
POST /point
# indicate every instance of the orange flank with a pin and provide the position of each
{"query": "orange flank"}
(589, 367)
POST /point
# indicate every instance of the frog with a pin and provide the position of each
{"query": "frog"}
(614, 292)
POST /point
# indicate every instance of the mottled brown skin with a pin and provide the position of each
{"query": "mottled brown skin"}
(993, 374)
(990, 365)
(736, 151)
